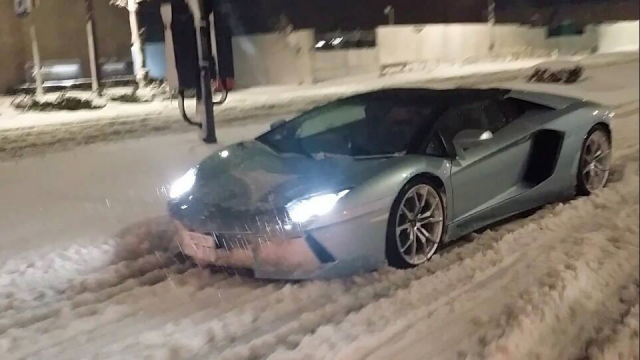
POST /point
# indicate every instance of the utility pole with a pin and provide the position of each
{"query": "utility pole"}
(492, 24)
(37, 62)
(136, 43)
(26, 9)
(390, 11)
(205, 98)
(93, 49)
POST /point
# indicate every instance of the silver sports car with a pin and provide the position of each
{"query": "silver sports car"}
(386, 178)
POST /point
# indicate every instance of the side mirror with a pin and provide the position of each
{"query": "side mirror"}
(278, 123)
(468, 139)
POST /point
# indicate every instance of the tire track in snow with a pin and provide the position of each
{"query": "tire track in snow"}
(83, 305)
(555, 320)
(132, 294)
(28, 280)
(111, 276)
(619, 339)
(182, 317)
(139, 305)
(625, 342)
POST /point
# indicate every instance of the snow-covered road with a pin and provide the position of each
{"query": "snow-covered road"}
(561, 284)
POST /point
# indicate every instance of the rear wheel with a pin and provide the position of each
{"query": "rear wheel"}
(595, 162)
(416, 224)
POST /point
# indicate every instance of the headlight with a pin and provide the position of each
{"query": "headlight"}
(184, 184)
(304, 210)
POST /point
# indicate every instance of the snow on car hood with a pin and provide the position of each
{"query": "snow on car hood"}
(251, 176)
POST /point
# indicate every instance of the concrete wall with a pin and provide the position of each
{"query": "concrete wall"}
(514, 40)
(399, 44)
(456, 43)
(60, 26)
(621, 36)
(279, 59)
(341, 63)
(274, 59)
(434, 42)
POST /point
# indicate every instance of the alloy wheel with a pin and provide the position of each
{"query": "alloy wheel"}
(419, 224)
(596, 161)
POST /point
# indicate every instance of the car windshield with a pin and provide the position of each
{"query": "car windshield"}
(357, 127)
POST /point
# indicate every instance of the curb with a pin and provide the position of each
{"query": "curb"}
(15, 143)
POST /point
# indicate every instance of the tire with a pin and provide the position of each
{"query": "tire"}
(417, 223)
(594, 168)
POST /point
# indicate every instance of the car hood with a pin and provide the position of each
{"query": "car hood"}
(251, 176)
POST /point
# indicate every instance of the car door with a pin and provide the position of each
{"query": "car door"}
(490, 171)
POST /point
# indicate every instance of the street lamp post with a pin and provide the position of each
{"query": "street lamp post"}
(391, 13)
(93, 48)
(26, 9)
(492, 22)
(204, 43)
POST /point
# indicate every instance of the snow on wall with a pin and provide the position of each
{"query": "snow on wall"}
(619, 36)
(340, 63)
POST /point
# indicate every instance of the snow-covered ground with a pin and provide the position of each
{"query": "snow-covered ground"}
(561, 284)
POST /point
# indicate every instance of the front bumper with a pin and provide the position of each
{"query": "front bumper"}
(343, 244)
(293, 255)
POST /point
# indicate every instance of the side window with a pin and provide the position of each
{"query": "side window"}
(496, 119)
(454, 121)
(501, 113)
(512, 109)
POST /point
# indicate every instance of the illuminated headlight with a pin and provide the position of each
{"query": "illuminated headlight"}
(184, 184)
(307, 209)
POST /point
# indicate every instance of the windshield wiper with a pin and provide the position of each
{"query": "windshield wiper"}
(382, 156)
(321, 156)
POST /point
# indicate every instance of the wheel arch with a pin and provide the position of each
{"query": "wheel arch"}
(606, 126)
(430, 177)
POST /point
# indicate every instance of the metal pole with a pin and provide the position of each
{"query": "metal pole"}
(37, 62)
(390, 11)
(205, 101)
(492, 23)
(136, 43)
(93, 49)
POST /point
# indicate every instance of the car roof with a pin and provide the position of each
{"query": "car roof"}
(449, 97)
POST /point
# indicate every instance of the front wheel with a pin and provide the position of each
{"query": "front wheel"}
(595, 162)
(416, 225)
